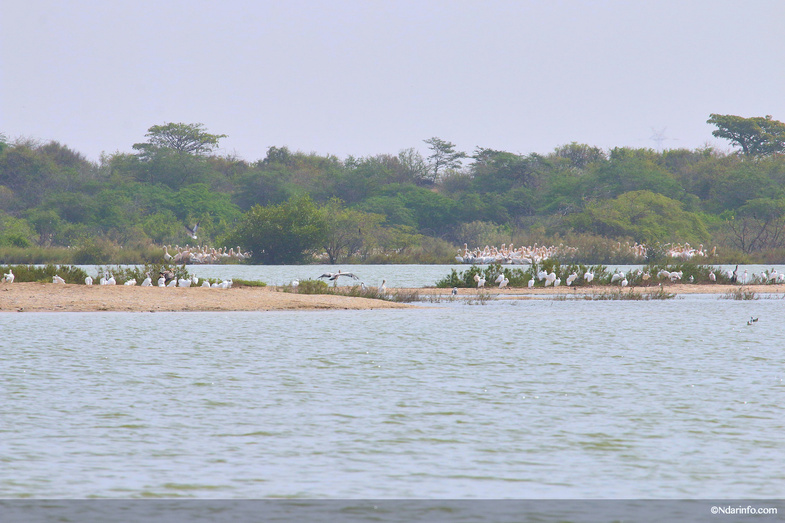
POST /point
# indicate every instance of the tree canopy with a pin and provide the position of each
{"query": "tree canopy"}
(756, 136)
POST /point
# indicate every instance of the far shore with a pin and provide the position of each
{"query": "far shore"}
(50, 297)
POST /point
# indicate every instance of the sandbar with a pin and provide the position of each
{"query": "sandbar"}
(50, 297)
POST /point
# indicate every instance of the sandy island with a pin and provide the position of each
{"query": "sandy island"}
(50, 297)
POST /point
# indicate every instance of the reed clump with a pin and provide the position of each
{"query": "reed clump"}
(740, 293)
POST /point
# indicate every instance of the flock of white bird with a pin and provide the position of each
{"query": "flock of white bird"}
(507, 254)
(193, 281)
(203, 254)
(526, 255)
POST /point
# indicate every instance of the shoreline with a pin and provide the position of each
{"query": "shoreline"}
(50, 297)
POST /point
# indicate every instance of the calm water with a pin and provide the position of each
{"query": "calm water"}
(512, 399)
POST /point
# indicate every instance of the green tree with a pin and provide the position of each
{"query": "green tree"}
(347, 230)
(644, 216)
(759, 224)
(757, 136)
(281, 234)
(180, 137)
(443, 156)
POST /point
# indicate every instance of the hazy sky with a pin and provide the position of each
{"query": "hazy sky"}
(362, 78)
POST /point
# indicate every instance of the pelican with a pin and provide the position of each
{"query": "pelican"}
(111, 280)
(162, 282)
(333, 276)
(172, 283)
(531, 283)
(9, 277)
(557, 282)
(589, 276)
(480, 281)
(184, 282)
(130, 282)
(503, 282)
(88, 280)
(167, 256)
(571, 278)
(712, 276)
(206, 283)
(148, 282)
(102, 280)
(624, 282)
(57, 279)
(192, 232)
(295, 283)
(618, 275)
(383, 287)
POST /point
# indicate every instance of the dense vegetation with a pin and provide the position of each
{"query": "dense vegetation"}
(289, 207)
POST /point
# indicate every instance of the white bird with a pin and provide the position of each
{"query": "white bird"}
(148, 282)
(88, 280)
(646, 276)
(663, 274)
(192, 232)
(624, 282)
(167, 256)
(162, 282)
(194, 280)
(57, 279)
(383, 286)
(172, 282)
(531, 283)
(206, 283)
(111, 280)
(184, 282)
(504, 282)
(542, 275)
(333, 276)
(295, 283)
(102, 280)
(744, 277)
(571, 278)
(557, 282)
(589, 276)
(9, 277)
(130, 282)
(617, 276)
(455, 291)
(480, 280)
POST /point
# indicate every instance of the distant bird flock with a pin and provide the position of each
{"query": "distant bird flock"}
(526, 255)
(203, 254)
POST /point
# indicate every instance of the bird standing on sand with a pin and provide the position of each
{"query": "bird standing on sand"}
(9, 277)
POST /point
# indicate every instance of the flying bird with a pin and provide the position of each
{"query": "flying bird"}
(333, 276)
(192, 232)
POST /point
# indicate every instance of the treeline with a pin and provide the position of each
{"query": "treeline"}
(291, 206)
